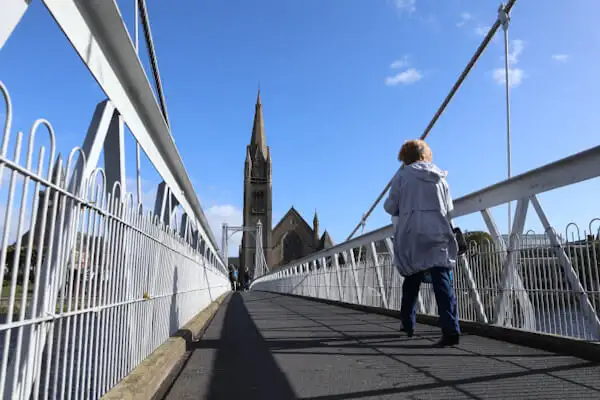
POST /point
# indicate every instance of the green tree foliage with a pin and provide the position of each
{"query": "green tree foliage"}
(478, 237)
(19, 258)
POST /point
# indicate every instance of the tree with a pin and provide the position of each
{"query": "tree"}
(11, 260)
(478, 237)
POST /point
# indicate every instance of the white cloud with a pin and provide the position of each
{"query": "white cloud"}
(409, 6)
(515, 76)
(217, 215)
(517, 48)
(403, 62)
(561, 57)
(464, 18)
(149, 190)
(482, 30)
(407, 77)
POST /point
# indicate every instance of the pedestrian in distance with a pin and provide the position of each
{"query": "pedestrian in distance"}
(231, 278)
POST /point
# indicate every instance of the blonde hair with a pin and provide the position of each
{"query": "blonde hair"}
(413, 151)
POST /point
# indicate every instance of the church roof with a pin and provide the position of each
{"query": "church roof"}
(325, 242)
(258, 142)
(293, 211)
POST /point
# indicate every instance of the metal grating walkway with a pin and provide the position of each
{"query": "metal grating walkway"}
(268, 346)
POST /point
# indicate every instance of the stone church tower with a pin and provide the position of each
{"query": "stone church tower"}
(292, 237)
(258, 194)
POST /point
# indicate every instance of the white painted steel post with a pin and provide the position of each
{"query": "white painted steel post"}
(224, 240)
(327, 276)
(354, 275)
(258, 247)
(511, 279)
(372, 253)
(472, 288)
(12, 12)
(336, 266)
(514, 276)
(318, 276)
(391, 295)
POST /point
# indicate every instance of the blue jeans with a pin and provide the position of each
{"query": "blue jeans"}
(444, 296)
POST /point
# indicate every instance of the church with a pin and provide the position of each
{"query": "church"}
(292, 237)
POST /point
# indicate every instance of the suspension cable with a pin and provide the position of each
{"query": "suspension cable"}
(153, 60)
(486, 40)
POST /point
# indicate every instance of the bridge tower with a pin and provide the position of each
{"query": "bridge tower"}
(258, 193)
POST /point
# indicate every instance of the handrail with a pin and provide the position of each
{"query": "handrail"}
(98, 34)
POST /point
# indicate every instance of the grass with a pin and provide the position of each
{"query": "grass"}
(19, 290)
(6, 288)
(5, 298)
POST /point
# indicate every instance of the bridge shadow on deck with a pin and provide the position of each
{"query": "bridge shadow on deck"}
(267, 346)
(232, 361)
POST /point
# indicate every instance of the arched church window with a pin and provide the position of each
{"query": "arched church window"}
(258, 202)
(292, 247)
(256, 171)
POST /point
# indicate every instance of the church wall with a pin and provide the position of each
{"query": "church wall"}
(250, 219)
(285, 227)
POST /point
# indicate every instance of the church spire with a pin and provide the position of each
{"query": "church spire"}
(259, 141)
(316, 230)
(248, 164)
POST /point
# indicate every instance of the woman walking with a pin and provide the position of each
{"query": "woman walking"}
(424, 241)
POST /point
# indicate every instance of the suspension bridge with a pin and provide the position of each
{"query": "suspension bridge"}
(103, 297)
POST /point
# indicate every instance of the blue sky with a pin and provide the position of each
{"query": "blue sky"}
(343, 84)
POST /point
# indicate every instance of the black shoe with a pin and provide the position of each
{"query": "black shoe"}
(409, 332)
(447, 340)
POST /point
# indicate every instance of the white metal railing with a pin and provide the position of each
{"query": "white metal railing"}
(98, 34)
(90, 285)
(547, 286)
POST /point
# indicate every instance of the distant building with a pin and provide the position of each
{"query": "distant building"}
(535, 240)
(292, 237)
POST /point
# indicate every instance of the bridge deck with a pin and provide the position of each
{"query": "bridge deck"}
(266, 346)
